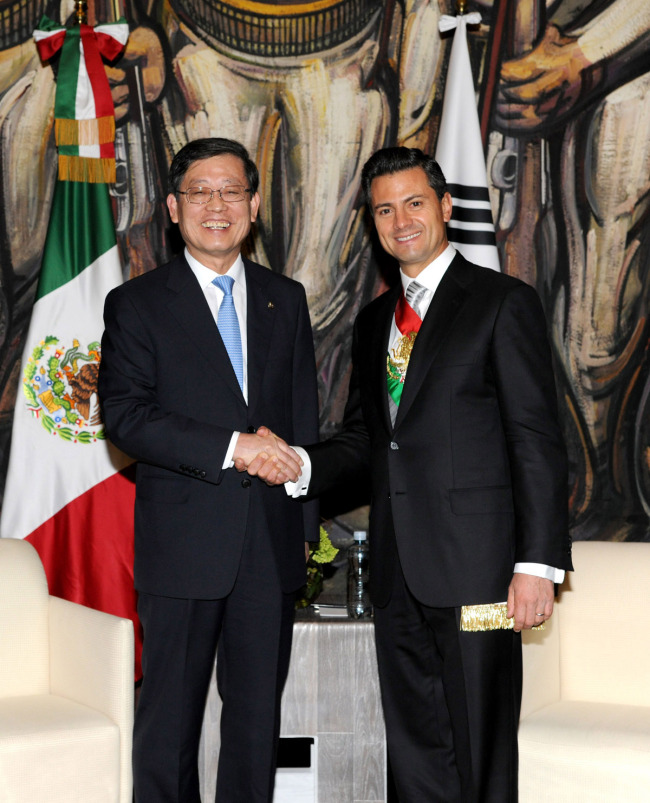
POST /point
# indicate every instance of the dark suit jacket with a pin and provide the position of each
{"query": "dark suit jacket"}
(473, 477)
(171, 400)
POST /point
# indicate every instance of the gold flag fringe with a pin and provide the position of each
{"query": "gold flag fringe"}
(97, 131)
(478, 618)
(80, 168)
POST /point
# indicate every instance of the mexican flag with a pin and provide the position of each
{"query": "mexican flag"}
(459, 152)
(68, 490)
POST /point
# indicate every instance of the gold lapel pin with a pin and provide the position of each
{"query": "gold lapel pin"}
(270, 305)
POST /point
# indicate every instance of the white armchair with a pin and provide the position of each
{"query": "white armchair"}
(584, 732)
(66, 692)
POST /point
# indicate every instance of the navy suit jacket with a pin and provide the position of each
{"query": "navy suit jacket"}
(171, 400)
(473, 476)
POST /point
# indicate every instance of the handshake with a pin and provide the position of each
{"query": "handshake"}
(265, 455)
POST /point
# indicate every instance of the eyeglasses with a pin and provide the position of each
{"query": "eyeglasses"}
(231, 194)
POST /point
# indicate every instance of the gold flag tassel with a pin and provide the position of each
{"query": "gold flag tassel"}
(79, 168)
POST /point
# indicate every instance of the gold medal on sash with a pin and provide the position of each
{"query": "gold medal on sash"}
(398, 357)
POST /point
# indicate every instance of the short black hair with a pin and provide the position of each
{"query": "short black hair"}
(393, 160)
(205, 148)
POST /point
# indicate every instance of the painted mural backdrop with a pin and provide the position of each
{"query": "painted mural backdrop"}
(312, 89)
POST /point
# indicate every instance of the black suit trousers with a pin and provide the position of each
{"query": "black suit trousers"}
(451, 703)
(251, 631)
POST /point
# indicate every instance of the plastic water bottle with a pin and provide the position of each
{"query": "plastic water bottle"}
(359, 606)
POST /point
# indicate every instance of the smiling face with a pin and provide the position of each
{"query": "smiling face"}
(214, 232)
(410, 219)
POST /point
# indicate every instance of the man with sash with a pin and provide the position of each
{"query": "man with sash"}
(452, 409)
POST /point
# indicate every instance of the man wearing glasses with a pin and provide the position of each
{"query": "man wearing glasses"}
(195, 355)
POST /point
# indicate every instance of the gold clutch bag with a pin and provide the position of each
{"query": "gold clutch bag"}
(477, 618)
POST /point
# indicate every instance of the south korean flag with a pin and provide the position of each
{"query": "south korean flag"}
(459, 153)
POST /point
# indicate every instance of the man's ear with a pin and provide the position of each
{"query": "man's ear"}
(446, 204)
(255, 205)
(172, 203)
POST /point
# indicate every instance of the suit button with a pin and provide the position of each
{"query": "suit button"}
(394, 446)
(251, 429)
(246, 483)
(183, 468)
(202, 475)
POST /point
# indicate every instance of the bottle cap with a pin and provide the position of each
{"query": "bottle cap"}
(360, 535)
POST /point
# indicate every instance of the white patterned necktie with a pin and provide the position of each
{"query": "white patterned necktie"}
(415, 292)
(228, 324)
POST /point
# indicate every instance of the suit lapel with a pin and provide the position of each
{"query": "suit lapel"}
(436, 328)
(189, 308)
(260, 316)
(379, 340)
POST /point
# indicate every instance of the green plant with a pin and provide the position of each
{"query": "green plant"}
(324, 553)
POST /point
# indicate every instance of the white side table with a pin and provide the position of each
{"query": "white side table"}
(332, 695)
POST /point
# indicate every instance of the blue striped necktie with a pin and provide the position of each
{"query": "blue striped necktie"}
(228, 324)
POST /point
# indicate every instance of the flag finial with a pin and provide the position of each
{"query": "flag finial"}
(80, 8)
(461, 6)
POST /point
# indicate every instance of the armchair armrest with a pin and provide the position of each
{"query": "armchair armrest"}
(541, 656)
(92, 662)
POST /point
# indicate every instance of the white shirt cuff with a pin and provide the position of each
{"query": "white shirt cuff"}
(541, 570)
(228, 462)
(300, 487)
